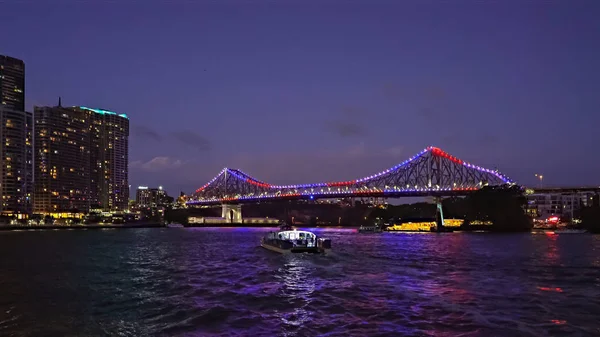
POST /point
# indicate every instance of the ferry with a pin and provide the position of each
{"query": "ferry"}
(420, 225)
(290, 240)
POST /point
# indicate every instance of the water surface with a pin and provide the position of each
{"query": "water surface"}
(218, 282)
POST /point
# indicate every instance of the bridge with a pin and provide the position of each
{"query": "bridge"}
(431, 172)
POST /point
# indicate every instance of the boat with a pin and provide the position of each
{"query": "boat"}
(290, 240)
(369, 229)
(376, 227)
(412, 225)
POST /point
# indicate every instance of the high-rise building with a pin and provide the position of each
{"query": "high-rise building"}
(81, 160)
(12, 83)
(62, 160)
(109, 159)
(16, 161)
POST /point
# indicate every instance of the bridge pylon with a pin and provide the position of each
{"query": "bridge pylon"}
(231, 213)
(439, 213)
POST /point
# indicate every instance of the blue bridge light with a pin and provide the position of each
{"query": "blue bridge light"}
(412, 177)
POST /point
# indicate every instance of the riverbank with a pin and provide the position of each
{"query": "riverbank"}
(80, 227)
(256, 225)
(229, 224)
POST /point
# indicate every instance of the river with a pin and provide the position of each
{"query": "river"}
(219, 282)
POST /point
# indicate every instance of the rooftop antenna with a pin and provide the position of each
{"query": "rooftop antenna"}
(59, 102)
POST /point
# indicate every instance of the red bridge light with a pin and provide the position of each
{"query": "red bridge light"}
(440, 153)
(248, 180)
(341, 183)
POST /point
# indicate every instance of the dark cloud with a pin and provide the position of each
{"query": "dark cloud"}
(345, 128)
(488, 139)
(191, 139)
(187, 138)
(348, 123)
(430, 101)
(482, 140)
(392, 91)
(352, 111)
(429, 92)
(145, 132)
(434, 92)
(427, 112)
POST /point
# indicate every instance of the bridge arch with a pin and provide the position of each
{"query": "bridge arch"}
(431, 172)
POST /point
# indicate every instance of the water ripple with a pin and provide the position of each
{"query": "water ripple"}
(218, 282)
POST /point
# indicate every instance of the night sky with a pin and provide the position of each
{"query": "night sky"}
(308, 91)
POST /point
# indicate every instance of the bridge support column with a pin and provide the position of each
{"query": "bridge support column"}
(439, 213)
(231, 213)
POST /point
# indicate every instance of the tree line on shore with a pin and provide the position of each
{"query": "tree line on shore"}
(502, 207)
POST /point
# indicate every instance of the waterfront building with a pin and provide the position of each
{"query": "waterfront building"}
(109, 152)
(12, 83)
(150, 197)
(61, 161)
(564, 205)
(16, 168)
(80, 160)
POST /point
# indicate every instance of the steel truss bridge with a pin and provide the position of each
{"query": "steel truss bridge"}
(432, 172)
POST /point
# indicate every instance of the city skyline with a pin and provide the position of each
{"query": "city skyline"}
(363, 95)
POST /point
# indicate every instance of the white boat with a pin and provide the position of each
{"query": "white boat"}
(289, 240)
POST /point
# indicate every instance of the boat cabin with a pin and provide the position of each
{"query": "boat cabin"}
(298, 238)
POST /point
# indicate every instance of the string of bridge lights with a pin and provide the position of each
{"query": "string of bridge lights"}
(311, 195)
(238, 174)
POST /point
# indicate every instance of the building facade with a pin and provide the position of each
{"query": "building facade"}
(12, 83)
(109, 159)
(558, 204)
(16, 186)
(150, 197)
(62, 160)
(80, 160)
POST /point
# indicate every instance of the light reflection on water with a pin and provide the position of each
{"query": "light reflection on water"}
(188, 282)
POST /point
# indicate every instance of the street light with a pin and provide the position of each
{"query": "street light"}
(541, 177)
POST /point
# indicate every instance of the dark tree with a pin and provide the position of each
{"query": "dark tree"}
(179, 216)
(504, 206)
(590, 218)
